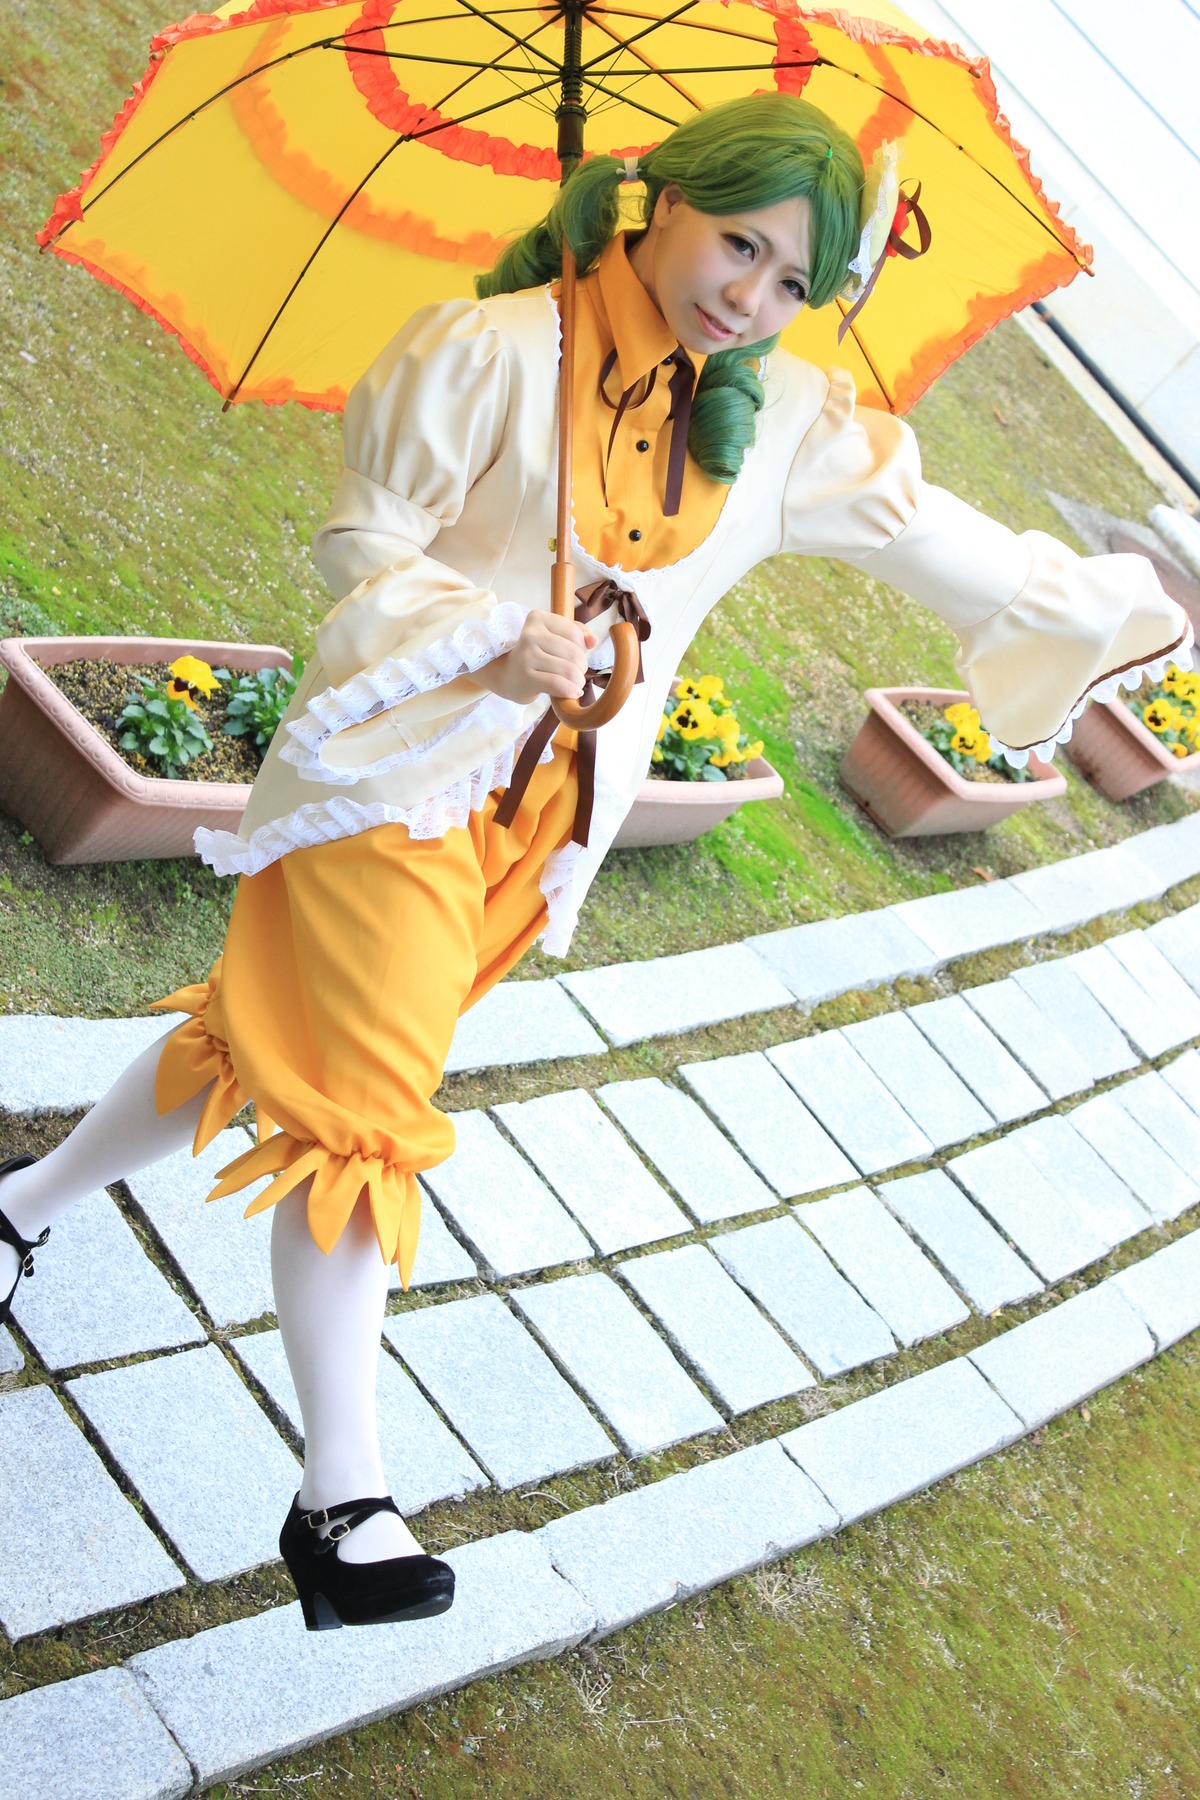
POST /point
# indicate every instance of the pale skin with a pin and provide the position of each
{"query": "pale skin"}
(747, 273)
(719, 280)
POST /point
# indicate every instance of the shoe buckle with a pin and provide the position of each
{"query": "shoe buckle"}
(338, 1531)
(315, 1520)
(27, 1263)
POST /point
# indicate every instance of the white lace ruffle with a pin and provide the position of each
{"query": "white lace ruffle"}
(398, 678)
(1107, 689)
(325, 821)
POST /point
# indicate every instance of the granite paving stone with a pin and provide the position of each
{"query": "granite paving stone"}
(498, 1389)
(1167, 1118)
(521, 1022)
(1164, 1289)
(894, 1443)
(1034, 1040)
(851, 1102)
(1149, 1029)
(833, 956)
(669, 994)
(201, 1453)
(928, 1089)
(594, 1172)
(612, 1352)
(1178, 939)
(225, 1256)
(440, 1257)
(247, 1693)
(1057, 1359)
(1171, 851)
(973, 1254)
(991, 1072)
(422, 1458)
(97, 1294)
(764, 1118)
(1055, 988)
(642, 1551)
(89, 1739)
(1092, 1189)
(50, 1065)
(1164, 984)
(1041, 1223)
(1184, 1076)
(792, 1279)
(11, 1359)
(687, 1149)
(1079, 888)
(82, 1547)
(970, 919)
(502, 1208)
(716, 1327)
(879, 1257)
(1156, 1179)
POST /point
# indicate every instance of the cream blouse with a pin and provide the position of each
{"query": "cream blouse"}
(437, 544)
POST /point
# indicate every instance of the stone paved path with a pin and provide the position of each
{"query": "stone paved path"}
(644, 1266)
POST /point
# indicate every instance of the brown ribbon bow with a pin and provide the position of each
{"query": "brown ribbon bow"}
(681, 385)
(895, 246)
(590, 602)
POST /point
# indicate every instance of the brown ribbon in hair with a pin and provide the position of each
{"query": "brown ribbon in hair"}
(681, 385)
(590, 602)
(895, 246)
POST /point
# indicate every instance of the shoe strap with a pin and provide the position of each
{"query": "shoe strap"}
(343, 1518)
(9, 1234)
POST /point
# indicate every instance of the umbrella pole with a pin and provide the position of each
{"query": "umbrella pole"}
(626, 651)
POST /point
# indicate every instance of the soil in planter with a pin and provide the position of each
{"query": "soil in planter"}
(926, 713)
(101, 691)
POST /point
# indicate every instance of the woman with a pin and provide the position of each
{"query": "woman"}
(400, 852)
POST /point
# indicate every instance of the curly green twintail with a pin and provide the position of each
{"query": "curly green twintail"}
(732, 158)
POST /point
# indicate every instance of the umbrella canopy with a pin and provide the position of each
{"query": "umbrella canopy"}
(289, 181)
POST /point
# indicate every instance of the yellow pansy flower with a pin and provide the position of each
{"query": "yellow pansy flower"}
(1179, 749)
(656, 755)
(962, 713)
(1186, 687)
(687, 690)
(662, 726)
(752, 750)
(1161, 716)
(966, 740)
(710, 685)
(693, 720)
(723, 761)
(189, 677)
(726, 727)
(983, 748)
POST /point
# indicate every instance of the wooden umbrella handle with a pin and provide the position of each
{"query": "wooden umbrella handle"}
(626, 650)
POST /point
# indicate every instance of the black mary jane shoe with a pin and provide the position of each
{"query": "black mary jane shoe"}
(335, 1593)
(24, 1247)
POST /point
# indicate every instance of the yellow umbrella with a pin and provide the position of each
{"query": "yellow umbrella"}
(288, 182)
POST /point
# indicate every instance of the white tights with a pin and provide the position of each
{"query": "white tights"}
(330, 1308)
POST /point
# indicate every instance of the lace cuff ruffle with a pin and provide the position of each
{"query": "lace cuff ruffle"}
(1108, 688)
(400, 678)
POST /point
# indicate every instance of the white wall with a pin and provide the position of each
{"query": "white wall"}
(1104, 95)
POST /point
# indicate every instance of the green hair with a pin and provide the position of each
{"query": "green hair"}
(732, 158)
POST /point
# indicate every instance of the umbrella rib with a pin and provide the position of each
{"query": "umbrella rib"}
(866, 356)
(655, 25)
(407, 137)
(622, 44)
(477, 13)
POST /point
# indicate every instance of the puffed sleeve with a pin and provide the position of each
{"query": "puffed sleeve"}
(421, 426)
(1039, 627)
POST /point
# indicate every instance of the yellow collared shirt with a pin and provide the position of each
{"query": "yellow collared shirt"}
(618, 493)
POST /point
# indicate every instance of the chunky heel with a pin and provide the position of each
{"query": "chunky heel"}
(24, 1247)
(334, 1593)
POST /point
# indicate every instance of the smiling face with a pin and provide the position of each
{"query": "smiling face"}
(724, 280)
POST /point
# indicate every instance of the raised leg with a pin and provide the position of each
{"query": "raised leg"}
(122, 1133)
(330, 1311)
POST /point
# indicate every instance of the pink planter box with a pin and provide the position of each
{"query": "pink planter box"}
(1118, 754)
(910, 790)
(675, 812)
(68, 786)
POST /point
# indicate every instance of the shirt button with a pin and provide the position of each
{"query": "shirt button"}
(635, 537)
(642, 444)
